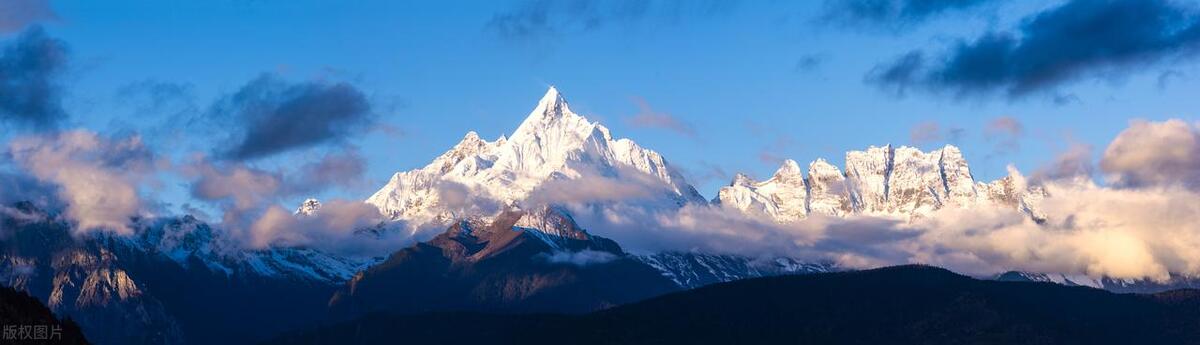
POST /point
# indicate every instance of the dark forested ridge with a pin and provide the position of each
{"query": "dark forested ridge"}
(25, 320)
(895, 305)
(501, 267)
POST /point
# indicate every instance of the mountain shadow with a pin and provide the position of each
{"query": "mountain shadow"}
(894, 305)
(25, 320)
(521, 261)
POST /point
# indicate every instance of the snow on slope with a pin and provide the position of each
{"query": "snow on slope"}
(553, 144)
(903, 183)
(309, 207)
(187, 240)
(691, 270)
(783, 197)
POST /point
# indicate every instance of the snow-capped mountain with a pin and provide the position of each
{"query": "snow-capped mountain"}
(189, 241)
(902, 182)
(553, 143)
(480, 178)
(692, 270)
(309, 207)
(1175, 282)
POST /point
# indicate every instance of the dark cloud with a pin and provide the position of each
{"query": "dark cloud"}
(19, 186)
(279, 116)
(810, 62)
(892, 14)
(1076, 40)
(899, 75)
(1167, 76)
(538, 19)
(30, 68)
(15, 15)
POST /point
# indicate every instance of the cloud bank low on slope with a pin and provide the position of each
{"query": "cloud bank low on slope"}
(1142, 222)
(100, 184)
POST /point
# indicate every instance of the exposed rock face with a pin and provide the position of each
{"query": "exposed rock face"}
(783, 197)
(173, 281)
(505, 264)
(308, 207)
(827, 189)
(902, 182)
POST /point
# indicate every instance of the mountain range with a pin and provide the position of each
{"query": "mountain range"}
(489, 233)
(552, 144)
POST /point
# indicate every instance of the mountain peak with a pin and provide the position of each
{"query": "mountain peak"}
(552, 143)
(552, 104)
(471, 136)
(789, 169)
(821, 168)
(309, 207)
(951, 150)
(552, 96)
(552, 114)
(741, 179)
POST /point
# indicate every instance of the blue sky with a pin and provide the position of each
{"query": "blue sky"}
(757, 80)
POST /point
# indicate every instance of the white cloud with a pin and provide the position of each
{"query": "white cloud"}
(335, 228)
(1154, 153)
(97, 177)
(1145, 226)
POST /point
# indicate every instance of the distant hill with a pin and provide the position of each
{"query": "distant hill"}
(19, 310)
(895, 305)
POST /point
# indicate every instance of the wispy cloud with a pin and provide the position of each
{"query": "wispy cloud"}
(334, 228)
(1142, 227)
(1005, 133)
(244, 193)
(893, 15)
(810, 62)
(925, 132)
(647, 117)
(534, 20)
(15, 15)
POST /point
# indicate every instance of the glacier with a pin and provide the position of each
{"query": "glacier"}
(552, 144)
(904, 183)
